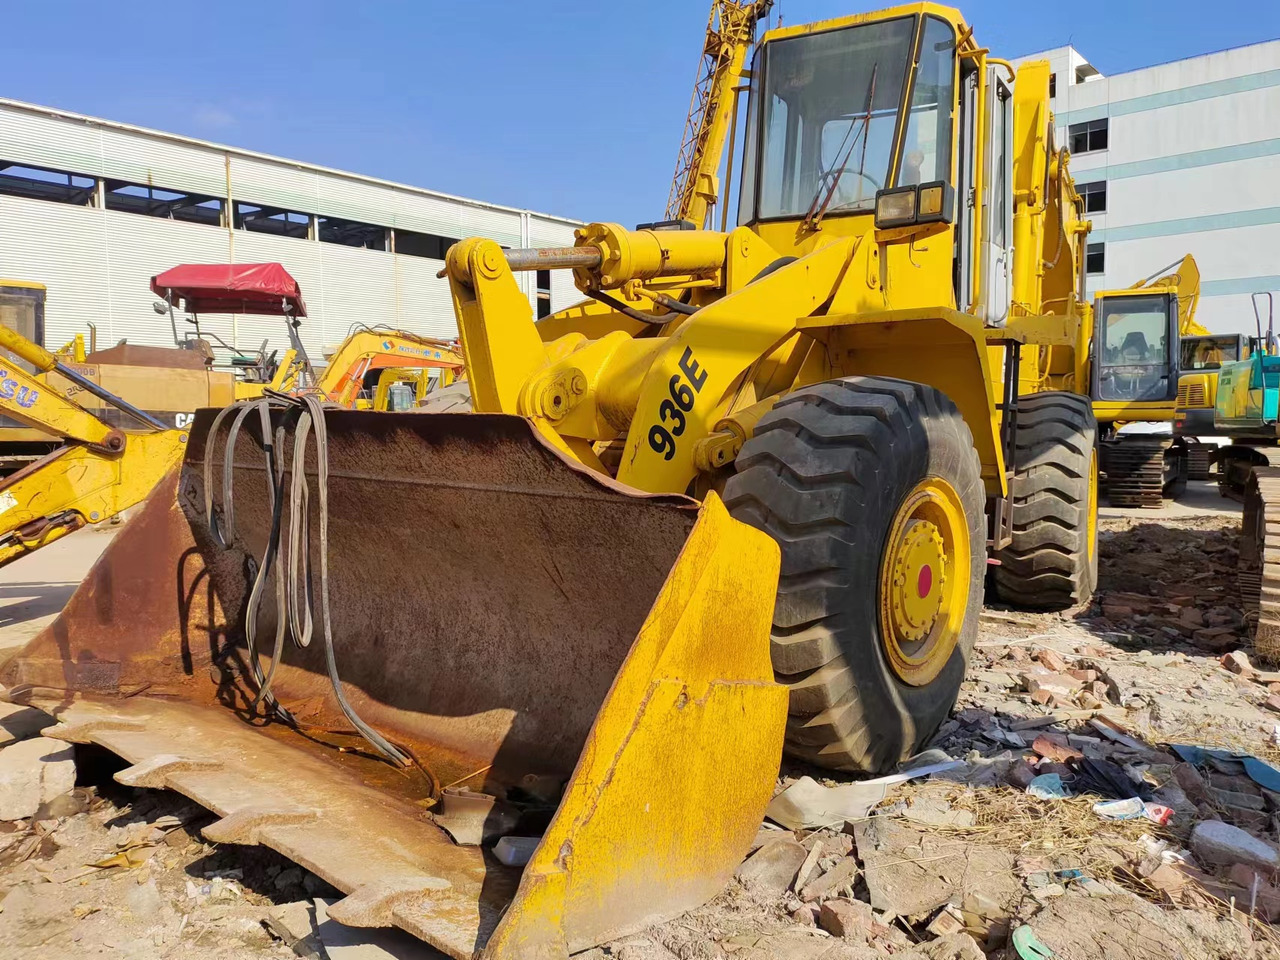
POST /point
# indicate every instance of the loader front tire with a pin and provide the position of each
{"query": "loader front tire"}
(1052, 563)
(873, 490)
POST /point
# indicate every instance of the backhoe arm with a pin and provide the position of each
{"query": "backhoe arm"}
(101, 470)
(369, 350)
(36, 404)
(76, 485)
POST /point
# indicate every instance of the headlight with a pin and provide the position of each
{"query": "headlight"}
(896, 208)
(932, 202)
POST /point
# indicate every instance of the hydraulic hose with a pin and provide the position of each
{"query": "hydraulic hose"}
(294, 598)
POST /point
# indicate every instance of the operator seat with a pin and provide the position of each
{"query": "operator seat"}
(1134, 349)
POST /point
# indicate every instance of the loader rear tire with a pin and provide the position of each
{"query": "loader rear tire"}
(841, 474)
(1052, 562)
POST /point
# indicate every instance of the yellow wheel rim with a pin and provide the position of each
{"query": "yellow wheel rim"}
(924, 581)
(1093, 506)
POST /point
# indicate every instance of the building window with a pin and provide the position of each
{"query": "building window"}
(350, 233)
(151, 201)
(544, 293)
(1086, 72)
(1094, 196)
(40, 183)
(422, 244)
(1053, 85)
(1088, 137)
(1095, 258)
(273, 220)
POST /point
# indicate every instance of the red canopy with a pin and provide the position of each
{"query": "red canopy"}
(264, 288)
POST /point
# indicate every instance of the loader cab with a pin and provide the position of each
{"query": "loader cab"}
(1135, 347)
(892, 126)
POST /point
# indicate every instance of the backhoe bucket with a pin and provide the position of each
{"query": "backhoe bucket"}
(504, 618)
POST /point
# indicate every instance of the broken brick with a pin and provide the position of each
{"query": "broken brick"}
(1052, 660)
(846, 918)
(1237, 662)
(1054, 747)
(773, 867)
(842, 873)
(1215, 639)
(949, 920)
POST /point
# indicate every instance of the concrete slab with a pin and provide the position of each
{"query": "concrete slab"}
(1201, 499)
(34, 590)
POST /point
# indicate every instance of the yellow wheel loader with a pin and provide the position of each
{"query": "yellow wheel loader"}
(746, 493)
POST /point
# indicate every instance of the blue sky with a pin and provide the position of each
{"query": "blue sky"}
(567, 107)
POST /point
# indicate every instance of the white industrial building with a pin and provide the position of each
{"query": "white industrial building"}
(1182, 157)
(93, 209)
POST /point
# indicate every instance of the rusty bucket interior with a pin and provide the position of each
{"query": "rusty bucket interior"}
(582, 663)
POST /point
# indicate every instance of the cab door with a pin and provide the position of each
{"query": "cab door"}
(997, 202)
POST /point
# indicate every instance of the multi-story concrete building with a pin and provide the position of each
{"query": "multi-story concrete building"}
(1182, 157)
(93, 209)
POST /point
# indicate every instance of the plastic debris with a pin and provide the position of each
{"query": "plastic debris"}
(1132, 809)
(515, 851)
(1029, 946)
(1107, 779)
(808, 805)
(1259, 771)
(1049, 786)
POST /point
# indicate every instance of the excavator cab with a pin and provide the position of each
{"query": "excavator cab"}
(1136, 353)
(1203, 358)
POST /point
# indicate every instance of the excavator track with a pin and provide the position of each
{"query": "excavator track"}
(1197, 461)
(1259, 563)
(1135, 471)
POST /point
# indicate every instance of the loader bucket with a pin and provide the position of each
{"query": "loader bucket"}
(504, 617)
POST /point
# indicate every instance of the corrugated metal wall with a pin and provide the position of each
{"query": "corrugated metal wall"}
(98, 263)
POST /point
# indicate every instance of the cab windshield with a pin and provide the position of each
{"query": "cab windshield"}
(824, 117)
(1134, 348)
(1209, 353)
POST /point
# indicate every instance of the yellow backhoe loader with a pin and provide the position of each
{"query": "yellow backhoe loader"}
(807, 436)
(96, 471)
(167, 384)
(75, 452)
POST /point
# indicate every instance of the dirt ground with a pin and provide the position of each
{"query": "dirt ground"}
(964, 863)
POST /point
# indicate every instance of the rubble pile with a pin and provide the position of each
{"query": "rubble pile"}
(1107, 786)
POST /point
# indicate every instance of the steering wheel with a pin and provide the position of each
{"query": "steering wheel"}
(829, 177)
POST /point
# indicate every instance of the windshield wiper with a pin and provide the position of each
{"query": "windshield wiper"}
(818, 205)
